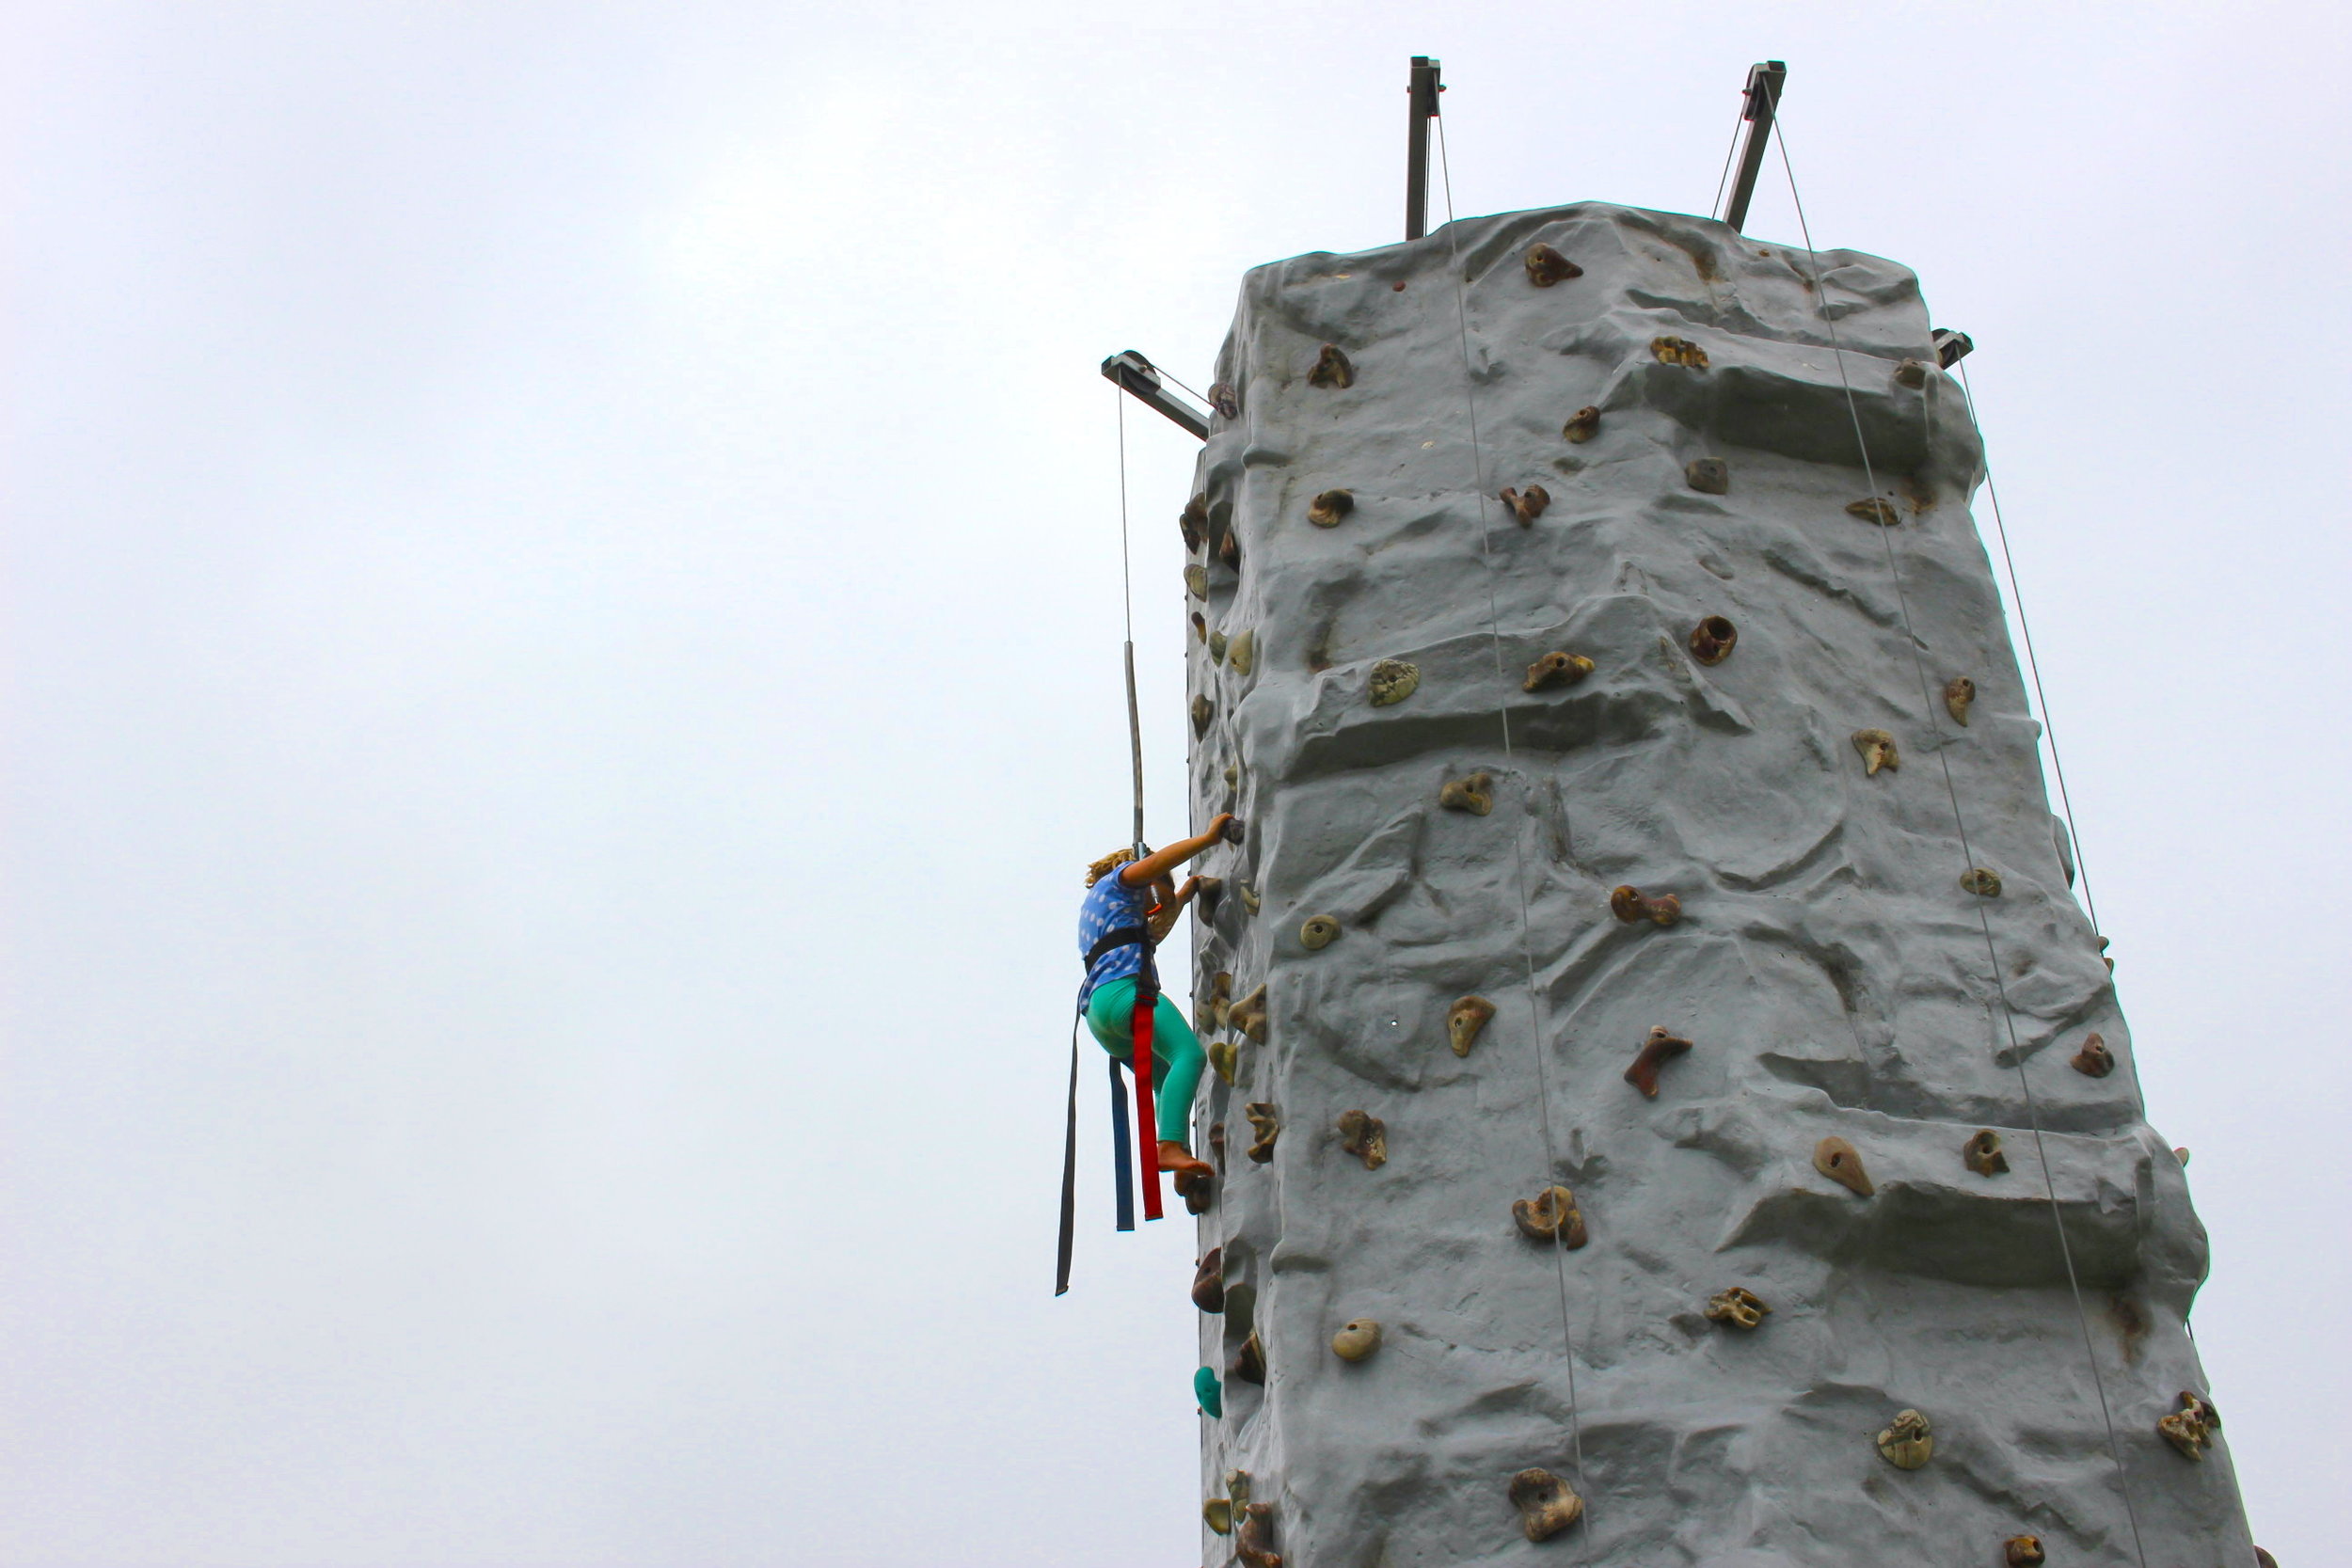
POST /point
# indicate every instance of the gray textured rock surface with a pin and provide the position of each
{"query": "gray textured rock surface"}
(1829, 969)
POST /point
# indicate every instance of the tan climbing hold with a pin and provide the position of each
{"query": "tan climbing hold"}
(1225, 400)
(1320, 931)
(1630, 905)
(1582, 425)
(1357, 1339)
(1241, 652)
(1197, 581)
(1982, 882)
(1556, 669)
(1330, 508)
(1905, 1442)
(1911, 372)
(1248, 1363)
(1873, 509)
(1528, 504)
(1842, 1164)
(1878, 751)
(1365, 1136)
(1983, 1154)
(2190, 1429)
(1225, 1059)
(1546, 266)
(1463, 1019)
(1249, 898)
(1332, 369)
(1392, 681)
(1550, 1215)
(1202, 712)
(1248, 1013)
(1739, 1306)
(1662, 1046)
(1475, 794)
(1193, 522)
(1217, 1514)
(1679, 351)
(1546, 1504)
(1713, 639)
(2023, 1551)
(1960, 694)
(1709, 476)
(2094, 1060)
(1265, 1120)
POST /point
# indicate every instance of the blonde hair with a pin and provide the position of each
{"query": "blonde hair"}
(1107, 865)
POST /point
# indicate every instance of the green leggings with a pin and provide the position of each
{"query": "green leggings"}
(1176, 1057)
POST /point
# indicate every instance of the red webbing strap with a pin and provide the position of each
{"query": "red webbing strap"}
(1147, 1124)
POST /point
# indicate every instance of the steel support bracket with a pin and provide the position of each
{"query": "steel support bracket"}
(1422, 89)
(1766, 79)
(1141, 379)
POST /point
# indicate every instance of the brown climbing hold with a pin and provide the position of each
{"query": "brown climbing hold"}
(1229, 550)
(1550, 1215)
(2264, 1559)
(1582, 425)
(2023, 1551)
(1320, 931)
(1330, 507)
(1249, 1011)
(1253, 1543)
(1208, 1281)
(1679, 351)
(1216, 1146)
(2190, 1429)
(1197, 581)
(1837, 1160)
(1526, 505)
(1365, 1136)
(1463, 1019)
(1958, 693)
(1332, 368)
(1628, 903)
(1709, 476)
(1233, 829)
(1874, 511)
(2094, 1060)
(1267, 1121)
(1218, 1000)
(1546, 266)
(1713, 639)
(1194, 1190)
(1739, 1306)
(1911, 372)
(1983, 884)
(1878, 751)
(1906, 1443)
(1556, 669)
(1200, 629)
(1241, 652)
(1225, 400)
(1983, 1154)
(1249, 1362)
(1357, 1339)
(1660, 1048)
(1217, 1514)
(1194, 521)
(1202, 711)
(1546, 1504)
(1475, 794)
(1392, 681)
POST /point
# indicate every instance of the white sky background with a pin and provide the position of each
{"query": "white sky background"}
(562, 664)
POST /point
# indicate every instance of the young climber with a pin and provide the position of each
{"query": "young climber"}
(1130, 894)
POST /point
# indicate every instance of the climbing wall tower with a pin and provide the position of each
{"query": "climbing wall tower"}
(1641, 802)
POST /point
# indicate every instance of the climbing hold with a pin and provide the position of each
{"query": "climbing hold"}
(1202, 711)
(1713, 639)
(1739, 1307)
(1526, 505)
(1218, 1000)
(1628, 903)
(1208, 1281)
(1874, 511)
(1241, 652)
(1546, 1504)
(1197, 581)
(1357, 1339)
(1365, 1136)
(1837, 1160)
(2182, 1155)
(1267, 1121)
(1229, 550)
(1248, 1013)
(1878, 751)
(1253, 1542)
(1983, 884)
(1660, 1048)
(1193, 521)
(1679, 351)
(1250, 1361)
(1194, 1190)
(1217, 1513)
(1550, 1215)
(2190, 1429)
(1237, 1487)
(1546, 266)
(2094, 1060)
(1556, 669)
(1463, 1019)
(1329, 507)
(1210, 1395)
(1216, 647)
(1958, 693)
(1225, 400)
(1709, 476)
(1983, 1154)
(1319, 932)
(1332, 368)
(1249, 898)
(1225, 1059)
(1582, 425)
(1911, 372)
(2022, 1551)
(1475, 794)
(1906, 1443)
(1392, 681)
(2264, 1559)
(1233, 829)
(1201, 630)
(1216, 1146)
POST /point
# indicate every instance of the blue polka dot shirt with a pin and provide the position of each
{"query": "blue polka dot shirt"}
(1110, 904)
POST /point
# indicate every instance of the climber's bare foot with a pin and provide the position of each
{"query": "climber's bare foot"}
(1178, 1162)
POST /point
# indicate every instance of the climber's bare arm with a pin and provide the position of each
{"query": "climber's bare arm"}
(1162, 862)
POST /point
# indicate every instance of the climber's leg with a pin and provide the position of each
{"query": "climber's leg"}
(1176, 1063)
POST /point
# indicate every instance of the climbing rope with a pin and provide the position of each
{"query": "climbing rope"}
(1519, 848)
(2009, 1019)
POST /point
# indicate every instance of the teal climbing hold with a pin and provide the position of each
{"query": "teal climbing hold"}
(1210, 1393)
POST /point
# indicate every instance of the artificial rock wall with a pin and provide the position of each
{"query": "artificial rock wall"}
(1829, 968)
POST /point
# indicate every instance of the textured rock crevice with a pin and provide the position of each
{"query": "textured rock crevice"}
(1829, 969)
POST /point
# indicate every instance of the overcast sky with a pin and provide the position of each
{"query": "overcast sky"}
(561, 595)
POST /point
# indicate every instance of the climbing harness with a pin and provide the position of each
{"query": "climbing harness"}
(2066, 1251)
(1519, 846)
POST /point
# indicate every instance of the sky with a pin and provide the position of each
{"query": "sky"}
(560, 622)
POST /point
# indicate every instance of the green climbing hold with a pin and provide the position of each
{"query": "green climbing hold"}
(1210, 1393)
